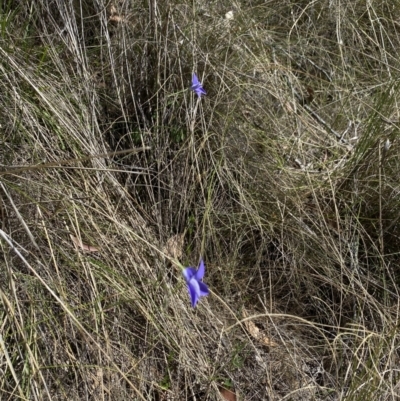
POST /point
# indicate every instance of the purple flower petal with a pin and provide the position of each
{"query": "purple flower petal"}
(203, 289)
(188, 273)
(195, 80)
(197, 87)
(194, 291)
(201, 271)
(196, 287)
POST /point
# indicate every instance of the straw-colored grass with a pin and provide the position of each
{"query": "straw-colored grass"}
(284, 178)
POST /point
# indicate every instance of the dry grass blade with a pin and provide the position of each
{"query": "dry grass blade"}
(80, 245)
(284, 178)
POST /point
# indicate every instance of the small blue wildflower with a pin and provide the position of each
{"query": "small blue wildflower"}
(197, 87)
(194, 282)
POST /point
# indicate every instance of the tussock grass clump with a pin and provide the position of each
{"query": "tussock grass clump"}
(284, 178)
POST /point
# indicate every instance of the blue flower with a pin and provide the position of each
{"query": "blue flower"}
(194, 282)
(197, 87)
